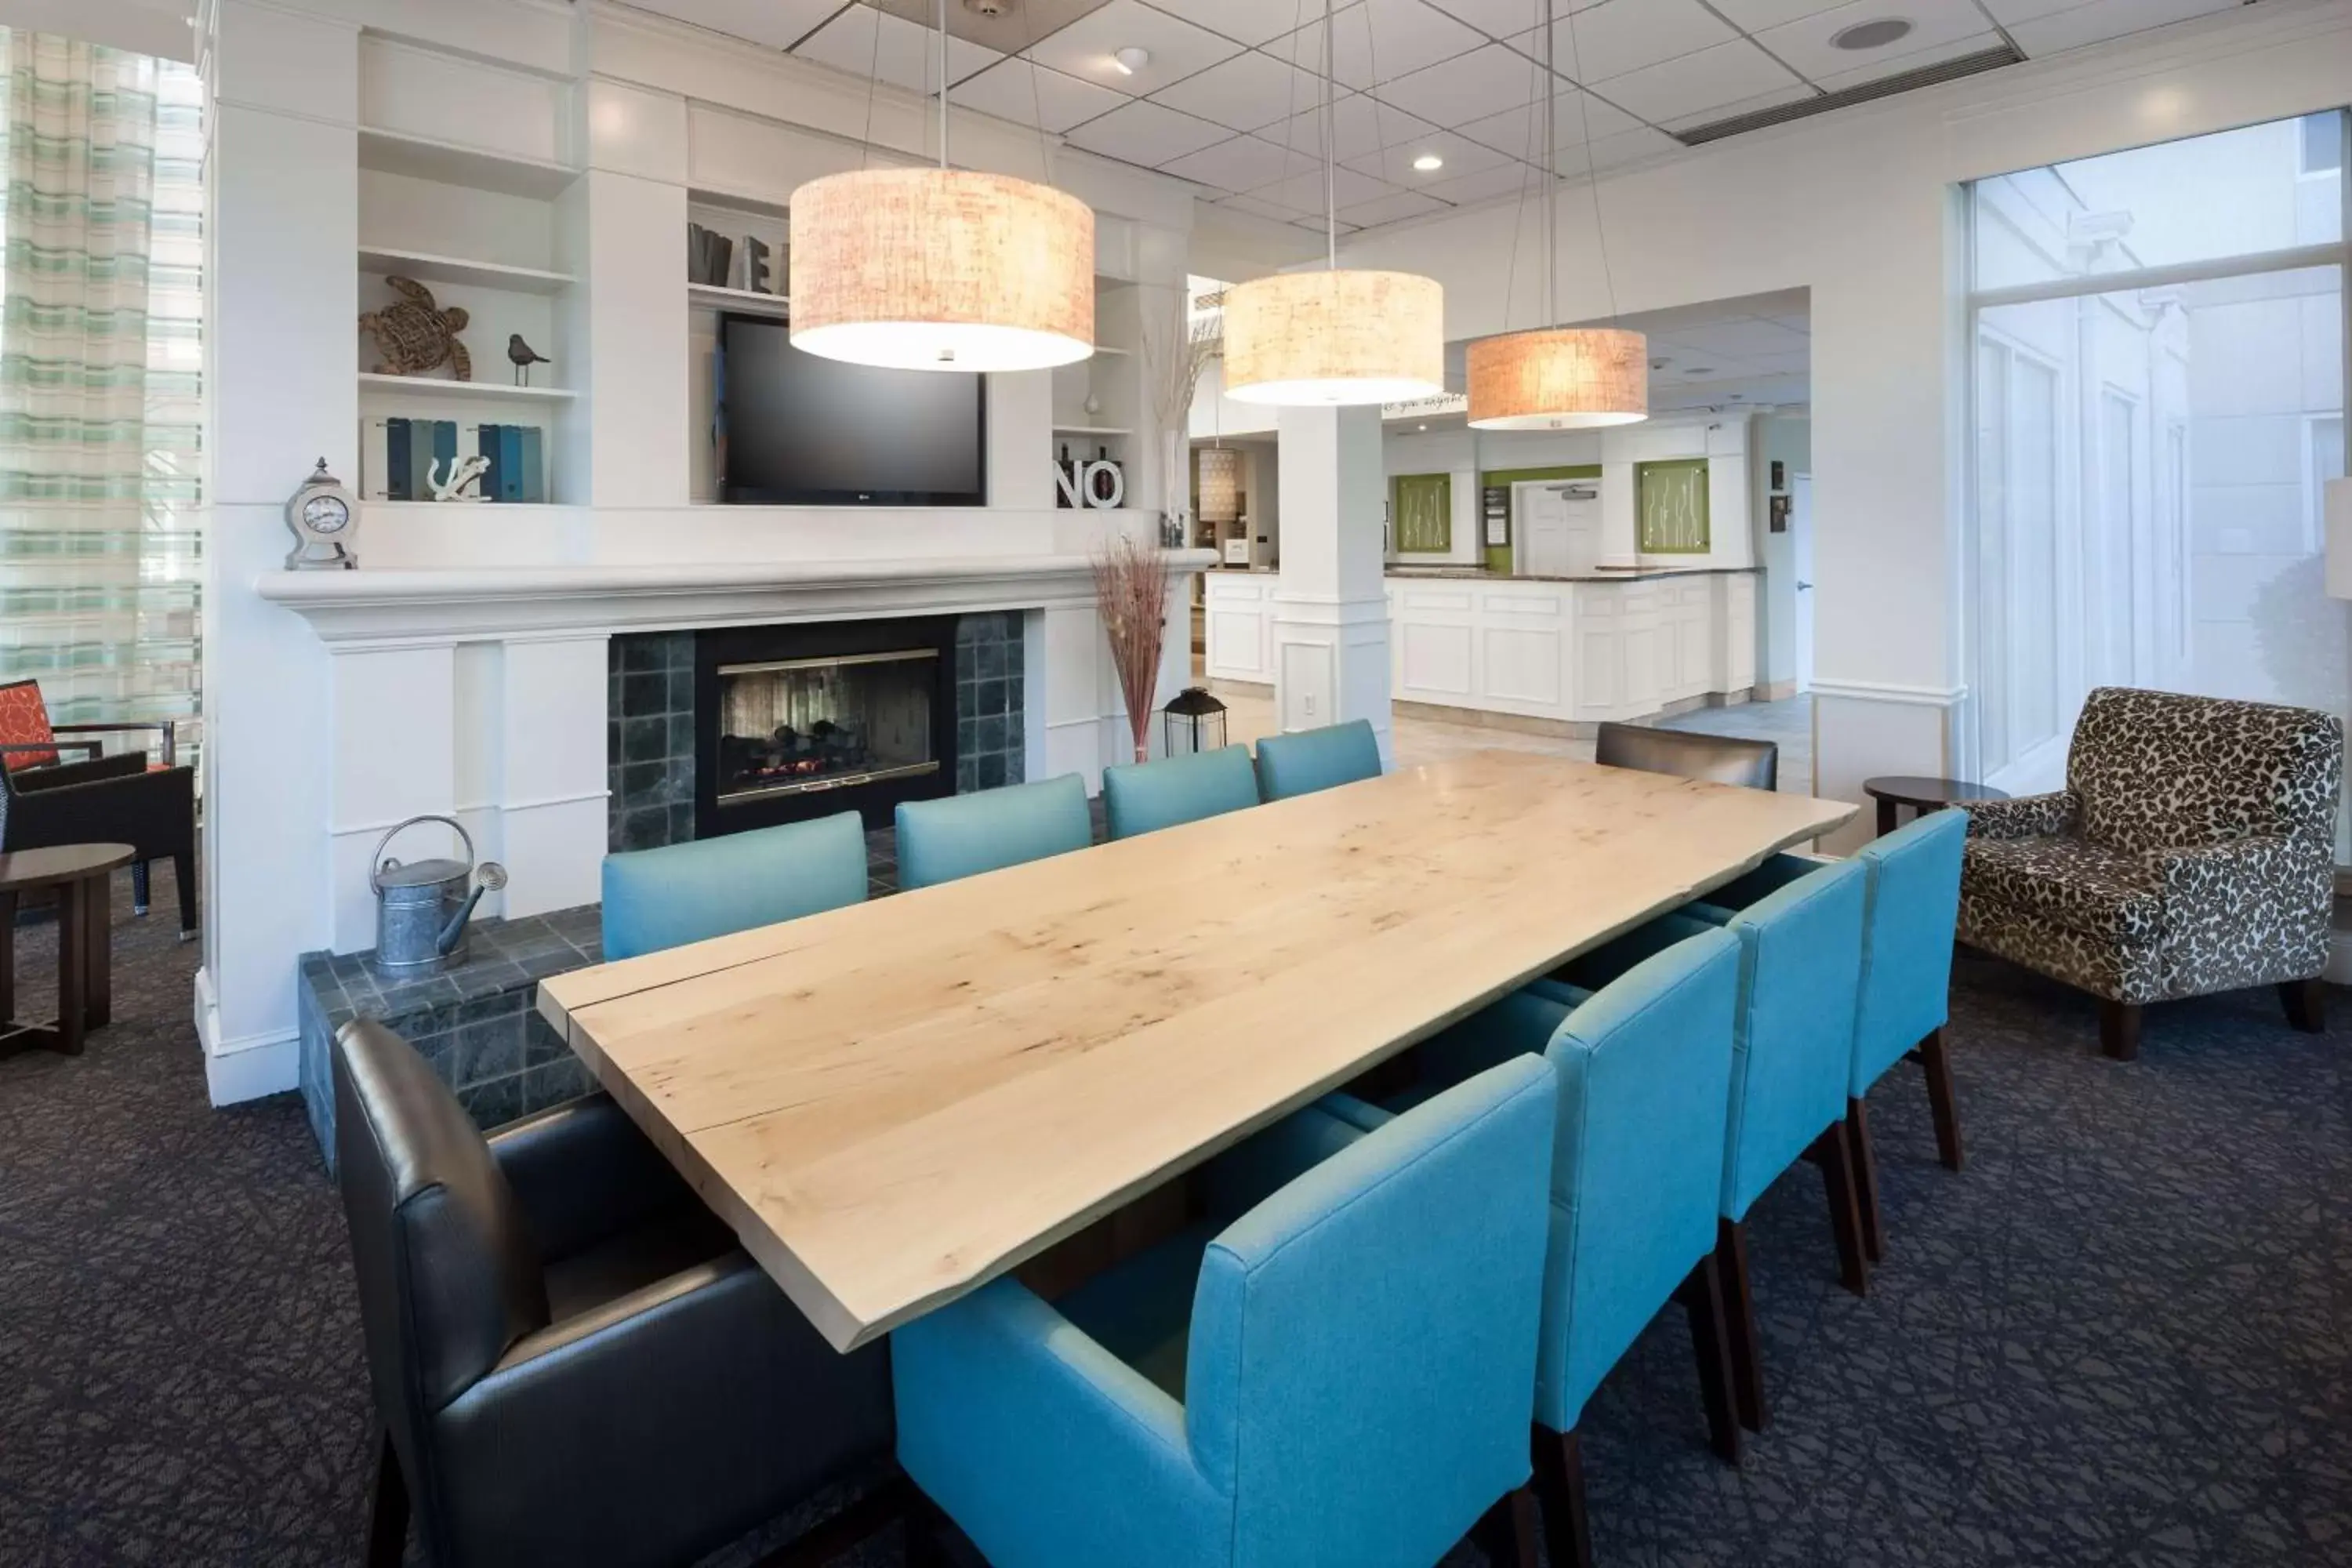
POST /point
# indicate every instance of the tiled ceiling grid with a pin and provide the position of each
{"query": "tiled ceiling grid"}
(1230, 95)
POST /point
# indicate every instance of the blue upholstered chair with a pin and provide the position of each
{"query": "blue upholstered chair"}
(1644, 1069)
(1793, 1059)
(1309, 760)
(964, 835)
(1342, 1374)
(663, 897)
(1911, 905)
(1144, 797)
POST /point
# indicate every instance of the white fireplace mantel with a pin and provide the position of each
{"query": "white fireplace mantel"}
(512, 602)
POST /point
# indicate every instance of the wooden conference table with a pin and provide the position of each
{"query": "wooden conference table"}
(896, 1102)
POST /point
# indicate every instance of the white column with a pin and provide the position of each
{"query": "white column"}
(1330, 606)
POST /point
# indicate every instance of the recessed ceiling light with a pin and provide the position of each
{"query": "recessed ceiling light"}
(1131, 59)
(1429, 162)
(1876, 34)
(1424, 426)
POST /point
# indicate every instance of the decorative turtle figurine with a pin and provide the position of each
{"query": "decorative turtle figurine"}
(415, 335)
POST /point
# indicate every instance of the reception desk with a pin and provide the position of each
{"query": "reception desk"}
(1567, 650)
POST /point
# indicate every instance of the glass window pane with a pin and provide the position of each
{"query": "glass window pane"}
(2239, 193)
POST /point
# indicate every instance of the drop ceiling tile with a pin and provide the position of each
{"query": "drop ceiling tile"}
(1244, 93)
(1375, 41)
(779, 23)
(1242, 163)
(1726, 74)
(1467, 86)
(1360, 125)
(2104, 19)
(1243, 21)
(1495, 18)
(1317, 226)
(1755, 16)
(1146, 133)
(1511, 179)
(1626, 35)
(1460, 156)
(1022, 92)
(1804, 45)
(1917, 59)
(1778, 97)
(2008, 11)
(1515, 131)
(1392, 209)
(1629, 147)
(1257, 208)
(1742, 338)
(903, 55)
(1304, 191)
(1084, 47)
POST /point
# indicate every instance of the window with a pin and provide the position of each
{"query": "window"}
(1670, 501)
(1422, 505)
(2158, 397)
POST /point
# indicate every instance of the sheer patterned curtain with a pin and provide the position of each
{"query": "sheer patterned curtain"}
(101, 357)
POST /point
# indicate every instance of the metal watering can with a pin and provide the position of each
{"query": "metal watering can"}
(421, 908)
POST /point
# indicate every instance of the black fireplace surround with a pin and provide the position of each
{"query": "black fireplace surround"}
(799, 721)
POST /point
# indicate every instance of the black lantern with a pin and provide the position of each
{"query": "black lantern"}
(1195, 721)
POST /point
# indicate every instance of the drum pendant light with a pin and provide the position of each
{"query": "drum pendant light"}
(941, 269)
(1333, 338)
(1560, 378)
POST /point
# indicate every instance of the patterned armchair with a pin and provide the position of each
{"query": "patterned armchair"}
(2192, 850)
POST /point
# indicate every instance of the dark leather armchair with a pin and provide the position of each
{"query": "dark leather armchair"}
(1719, 759)
(573, 1361)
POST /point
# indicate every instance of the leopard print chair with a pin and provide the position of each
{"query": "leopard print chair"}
(2192, 850)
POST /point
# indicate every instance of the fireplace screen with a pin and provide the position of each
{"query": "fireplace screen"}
(800, 724)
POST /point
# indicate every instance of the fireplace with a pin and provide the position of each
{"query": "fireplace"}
(799, 721)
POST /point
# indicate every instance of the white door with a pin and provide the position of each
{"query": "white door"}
(1560, 528)
(1800, 558)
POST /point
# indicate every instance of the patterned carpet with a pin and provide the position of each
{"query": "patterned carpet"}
(2121, 1337)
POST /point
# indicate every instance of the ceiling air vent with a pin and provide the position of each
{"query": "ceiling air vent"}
(1885, 87)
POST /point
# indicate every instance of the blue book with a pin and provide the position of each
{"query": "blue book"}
(445, 450)
(534, 464)
(509, 462)
(395, 459)
(485, 441)
(420, 459)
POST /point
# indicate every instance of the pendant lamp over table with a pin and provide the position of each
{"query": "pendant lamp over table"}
(941, 269)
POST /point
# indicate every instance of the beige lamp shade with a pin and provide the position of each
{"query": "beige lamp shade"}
(942, 269)
(1317, 339)
(1566, 379)
(1221, 484)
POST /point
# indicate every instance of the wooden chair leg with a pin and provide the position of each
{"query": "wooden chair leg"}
(1834, 1154)
(387, 1530)
(2119, 1030)
(73, 967)
(1739, 1323)
(1506, 1534)
(1865, 1181)
(1935, 1058)
(1702, 1298)
(2306, 1004)
(1559, 1483)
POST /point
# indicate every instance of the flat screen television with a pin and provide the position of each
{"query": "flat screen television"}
(796, 429)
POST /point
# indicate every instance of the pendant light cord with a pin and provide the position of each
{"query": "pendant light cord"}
(1330, 180)
(1591, 172)
(1551, 165)
(943, 82)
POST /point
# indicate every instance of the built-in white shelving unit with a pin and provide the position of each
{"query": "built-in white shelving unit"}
(1092, 430)
(455, 164)
(744, 299)
(426, 268)
(436, 386)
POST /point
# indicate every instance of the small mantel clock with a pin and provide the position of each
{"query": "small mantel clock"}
(325, 522)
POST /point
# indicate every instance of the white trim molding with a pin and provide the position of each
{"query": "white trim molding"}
(1888, 691)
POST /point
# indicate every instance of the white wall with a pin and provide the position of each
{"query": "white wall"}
(1786, 438)
(1861, 207)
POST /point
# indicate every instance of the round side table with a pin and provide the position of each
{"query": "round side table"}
(1923, 795)
(79, 873)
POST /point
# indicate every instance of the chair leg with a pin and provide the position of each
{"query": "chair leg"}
(1506, 1534)
(1834, 1154)
(1935, 1058)
(183, 871)
(2119, 1030)
(2306, 1004)
(1701, 1295)
(832, 1537)
(139, 886)
(1559, 1483)
(1739, 1323)
(387, 1540)
(925, 1526)
(1865, 1181)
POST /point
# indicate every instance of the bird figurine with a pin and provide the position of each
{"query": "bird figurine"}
(523, 357)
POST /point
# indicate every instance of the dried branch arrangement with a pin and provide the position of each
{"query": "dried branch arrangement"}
(1132, 595)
